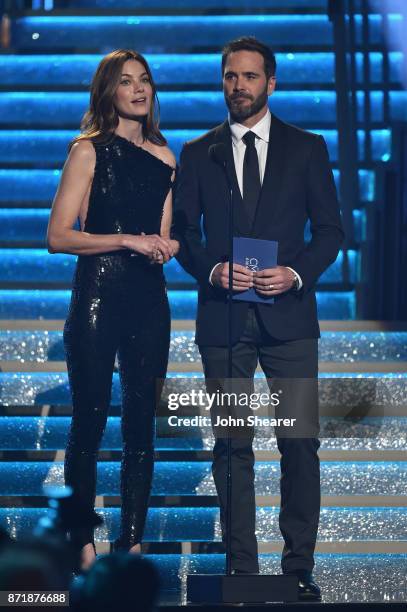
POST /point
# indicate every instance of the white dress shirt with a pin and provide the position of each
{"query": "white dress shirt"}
(262, 131)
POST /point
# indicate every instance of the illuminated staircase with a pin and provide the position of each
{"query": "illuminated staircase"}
(43, 93)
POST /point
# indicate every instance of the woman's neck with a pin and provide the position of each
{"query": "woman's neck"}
(131, 130)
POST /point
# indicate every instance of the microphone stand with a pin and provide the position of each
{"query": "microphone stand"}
(230, 370)
(219, 154)
(235, 588)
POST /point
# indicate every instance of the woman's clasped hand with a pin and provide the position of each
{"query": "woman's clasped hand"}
(156, 248)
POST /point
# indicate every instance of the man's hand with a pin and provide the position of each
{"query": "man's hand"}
(273, 281)
(242, 277)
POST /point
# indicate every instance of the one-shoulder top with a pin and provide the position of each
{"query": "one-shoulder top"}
(128, 190)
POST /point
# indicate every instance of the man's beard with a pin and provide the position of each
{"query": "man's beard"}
(239, 112)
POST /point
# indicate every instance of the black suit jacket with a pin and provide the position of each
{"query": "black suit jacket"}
(298, 184)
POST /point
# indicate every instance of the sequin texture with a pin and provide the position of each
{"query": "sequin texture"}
(118, 306)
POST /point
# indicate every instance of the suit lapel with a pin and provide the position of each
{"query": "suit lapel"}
(240, 218)
(273, 176)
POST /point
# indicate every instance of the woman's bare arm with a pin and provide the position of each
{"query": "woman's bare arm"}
(69, 201)
(166, 219)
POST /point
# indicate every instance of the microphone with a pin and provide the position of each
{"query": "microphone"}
(218, 153)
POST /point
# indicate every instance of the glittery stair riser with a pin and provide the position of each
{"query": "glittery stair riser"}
(343, 347)
(197, 4)
(41, 185)
(378, 391)
(158, 33)
(53, 304)
(50, 434)
(195, 478)
(49, 147)
(293, 5)
(199, 70)
(190, 108)
(202, 524)
(30, 225)
(38, 266)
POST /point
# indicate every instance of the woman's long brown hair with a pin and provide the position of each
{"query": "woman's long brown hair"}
(101, 119)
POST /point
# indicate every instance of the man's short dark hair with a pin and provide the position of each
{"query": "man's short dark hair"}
(250, 43)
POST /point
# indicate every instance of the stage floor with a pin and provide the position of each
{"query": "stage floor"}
(370, 579)
(333, 607)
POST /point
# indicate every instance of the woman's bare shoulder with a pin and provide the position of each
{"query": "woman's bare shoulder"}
(83, 149)
(82, 157)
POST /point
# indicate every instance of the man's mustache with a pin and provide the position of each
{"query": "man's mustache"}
(240, 95)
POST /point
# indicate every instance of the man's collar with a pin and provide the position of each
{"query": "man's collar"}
(261, 128)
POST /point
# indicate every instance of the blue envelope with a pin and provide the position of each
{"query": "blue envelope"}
(256, 255)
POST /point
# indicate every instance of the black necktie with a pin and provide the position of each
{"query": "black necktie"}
(251, 176)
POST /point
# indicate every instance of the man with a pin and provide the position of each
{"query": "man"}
(281, 177)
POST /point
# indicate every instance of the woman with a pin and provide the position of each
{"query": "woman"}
(117, 180)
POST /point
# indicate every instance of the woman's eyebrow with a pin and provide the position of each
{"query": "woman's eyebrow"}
(130, 75)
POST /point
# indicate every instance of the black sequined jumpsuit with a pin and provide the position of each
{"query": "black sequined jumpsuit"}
(119, 306)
